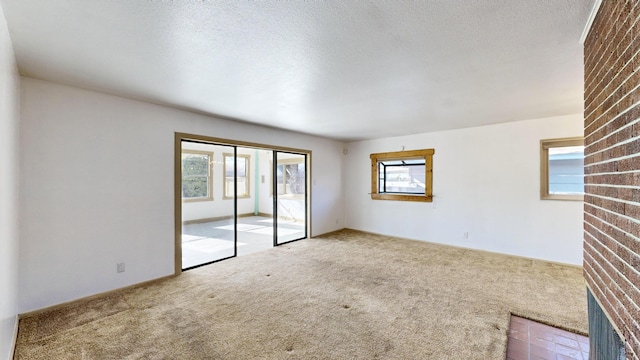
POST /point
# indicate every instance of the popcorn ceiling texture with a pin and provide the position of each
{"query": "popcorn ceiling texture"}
(341, 69)
(346, 295)
(612, 166)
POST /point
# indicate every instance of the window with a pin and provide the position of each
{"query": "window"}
(242, 169)
(290, 177)
(196, 175)
(562, 169)
(402, 175)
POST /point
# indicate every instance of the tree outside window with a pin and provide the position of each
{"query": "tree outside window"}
(196, 175)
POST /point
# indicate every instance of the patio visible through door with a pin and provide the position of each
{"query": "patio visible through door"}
(290, 197)
(235, 199)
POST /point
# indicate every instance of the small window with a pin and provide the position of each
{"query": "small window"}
(242, 173)
(562, 169)
(196, 175)
(402, 175)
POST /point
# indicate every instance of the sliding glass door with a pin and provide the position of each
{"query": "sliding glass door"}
(209, 221)
(289, 197)
(233, 199)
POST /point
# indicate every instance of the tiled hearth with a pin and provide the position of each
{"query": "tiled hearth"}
(531, 340)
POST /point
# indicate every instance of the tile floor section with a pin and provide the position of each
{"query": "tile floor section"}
(531, 340)
(206, 242)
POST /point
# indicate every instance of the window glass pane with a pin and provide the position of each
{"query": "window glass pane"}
(381, 182)
(195, 187)
(228, 187)
(403, 162)
(228, 166)
(417, 174)
(195, 176)
(291, 200)
(405, 179)
(566, 170)
(405, 176)
(280, 179)
(301, 185)
(294, 175)
(391, 162)
(242, 166)
(195, 164)
(242, 187)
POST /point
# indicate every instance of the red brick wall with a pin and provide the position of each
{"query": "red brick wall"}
(612, 166)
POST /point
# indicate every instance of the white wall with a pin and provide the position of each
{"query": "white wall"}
(97, 188)
(9, 120)
(486, 182)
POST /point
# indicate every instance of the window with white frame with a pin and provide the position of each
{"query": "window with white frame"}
(242, 169)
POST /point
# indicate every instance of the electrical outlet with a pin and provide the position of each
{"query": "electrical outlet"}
(337, 221)
(465, 235)
(120, 267)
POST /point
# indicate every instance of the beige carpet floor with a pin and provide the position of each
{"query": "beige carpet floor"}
(347, 295)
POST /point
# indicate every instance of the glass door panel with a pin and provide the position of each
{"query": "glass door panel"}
(290, 197)
(208, 216)
(255, 204)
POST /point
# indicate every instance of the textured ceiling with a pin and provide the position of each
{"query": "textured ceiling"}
(340, 69)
